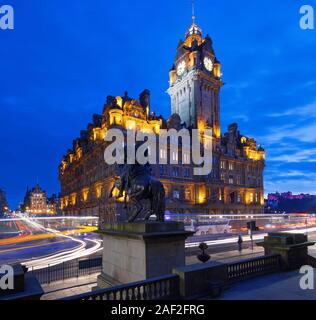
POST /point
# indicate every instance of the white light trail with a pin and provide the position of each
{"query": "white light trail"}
(67, 255)
(21, 217)
(255, 237)
(81, 250)
(64, 256)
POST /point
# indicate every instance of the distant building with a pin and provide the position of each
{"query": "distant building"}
(289, 202)
(275, 197)
(235, 185)
(36, 202)
(4, 207)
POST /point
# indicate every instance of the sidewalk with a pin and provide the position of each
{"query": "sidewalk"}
(69, 287)
(277, 286)
(230, 256)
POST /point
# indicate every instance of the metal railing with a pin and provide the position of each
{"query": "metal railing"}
(245, 269)
(71, 269)
(165, 287)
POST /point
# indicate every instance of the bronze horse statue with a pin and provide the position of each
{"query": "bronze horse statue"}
(138, 184)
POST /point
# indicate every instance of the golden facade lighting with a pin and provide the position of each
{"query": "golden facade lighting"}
(85, 193)
(73, 197)
(217, 70)
(98, 190)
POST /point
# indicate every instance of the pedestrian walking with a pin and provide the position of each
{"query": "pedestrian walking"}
(240, 241)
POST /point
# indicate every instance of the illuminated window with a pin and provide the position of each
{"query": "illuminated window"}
(119, 101)
(85, 193)
(251, 197)
(98, 191)
(223, 165)
(187, 194)
(73, 198)
(231, 166)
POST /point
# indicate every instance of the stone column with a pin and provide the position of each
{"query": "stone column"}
(139, 251)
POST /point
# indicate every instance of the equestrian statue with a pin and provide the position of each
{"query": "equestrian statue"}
(136, 182)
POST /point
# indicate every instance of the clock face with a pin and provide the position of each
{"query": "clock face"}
(181, 68)
(208, 64)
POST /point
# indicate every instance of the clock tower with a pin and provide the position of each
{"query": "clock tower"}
(195, 82)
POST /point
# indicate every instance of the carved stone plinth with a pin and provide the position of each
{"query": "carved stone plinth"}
(139, 251)
(293, 248)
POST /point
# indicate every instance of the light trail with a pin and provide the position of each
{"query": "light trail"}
(63, 256)
(224, 241)
(20, 217)
(30, 247)
(82, 250)
(72, 254)
(41, 232)
(42, 236)
(255, 237)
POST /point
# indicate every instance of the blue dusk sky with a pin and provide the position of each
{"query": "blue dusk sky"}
(64, 57)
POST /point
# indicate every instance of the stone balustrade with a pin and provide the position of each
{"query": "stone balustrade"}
(165, 287)
(188, 282)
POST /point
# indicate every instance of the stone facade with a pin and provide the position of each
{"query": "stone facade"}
(37, 203)
(4, 207)
(195, 82)
(235, 185)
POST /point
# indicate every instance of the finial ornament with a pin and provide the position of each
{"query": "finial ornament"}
(193, 11)
(194, 29)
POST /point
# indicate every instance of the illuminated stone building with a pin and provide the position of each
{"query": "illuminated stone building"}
(235, 185)
(37, 203)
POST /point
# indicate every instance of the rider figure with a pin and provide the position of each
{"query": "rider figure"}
(125, 174)
(129, 170)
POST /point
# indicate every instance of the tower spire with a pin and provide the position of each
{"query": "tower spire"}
(194, 29)
(193, 11)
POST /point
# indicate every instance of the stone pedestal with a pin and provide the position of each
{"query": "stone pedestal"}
(293, 249)
(197, 280)
(139, 251)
